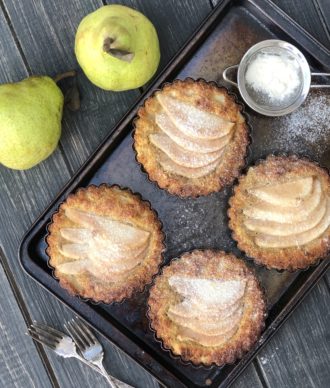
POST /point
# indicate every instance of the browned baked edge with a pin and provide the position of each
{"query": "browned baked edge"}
(85, 285)
(233, 158)
(161, 296)
(292, 258)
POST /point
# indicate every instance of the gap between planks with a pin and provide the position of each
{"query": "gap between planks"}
(26, 316)
(17, 43)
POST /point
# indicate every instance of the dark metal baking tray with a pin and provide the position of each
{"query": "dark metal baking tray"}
(198, 223)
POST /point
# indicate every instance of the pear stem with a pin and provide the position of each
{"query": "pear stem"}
(123, 55)
(67, 74)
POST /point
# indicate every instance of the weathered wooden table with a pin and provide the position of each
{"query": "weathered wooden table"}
(36, 37)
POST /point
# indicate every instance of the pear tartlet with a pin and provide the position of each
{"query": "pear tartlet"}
(280, 213)
(191, 138)
(207, 307)
(105, 243)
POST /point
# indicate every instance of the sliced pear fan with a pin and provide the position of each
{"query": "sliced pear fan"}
(98, 241)
(189, 309)
(95, 269)
(192, 121)
(106, 248)
(212, 292)
(280, 213)
(189, 143)
(181, 156)
(185, 334)
(285, 194)
(89, 251)
(115, 232)
(268, 241)
(170, 166)
(286, 229)
(204, 325)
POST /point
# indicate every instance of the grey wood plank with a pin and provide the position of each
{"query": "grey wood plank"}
(46, 31)
(324, 9)
(20, 364)
(298, 355)
(248, 377)
(306, 14)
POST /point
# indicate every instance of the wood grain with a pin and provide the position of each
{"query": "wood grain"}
(298, 355)
(323, 7)
(308, 16)
(20, 364)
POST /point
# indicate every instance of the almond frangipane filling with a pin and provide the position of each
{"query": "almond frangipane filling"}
(287, 214)
(211, 310)
(106, 248)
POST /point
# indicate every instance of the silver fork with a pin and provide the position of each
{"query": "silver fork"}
(89, 346)
(63, 345)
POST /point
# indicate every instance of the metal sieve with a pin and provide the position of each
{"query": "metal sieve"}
(259, 102)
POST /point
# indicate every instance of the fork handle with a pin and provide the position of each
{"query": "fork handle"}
(118, 383)
(108, 377)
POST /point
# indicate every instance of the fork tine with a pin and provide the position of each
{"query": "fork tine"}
(81, 333)
(42, 340)
(44, 332)
(72, 331)
(48, 328)
(86, 330)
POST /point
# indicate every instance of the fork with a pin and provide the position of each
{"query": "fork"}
(63, 345)
(89, 346)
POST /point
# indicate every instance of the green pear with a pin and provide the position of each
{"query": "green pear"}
(30, 121)
(117, 48)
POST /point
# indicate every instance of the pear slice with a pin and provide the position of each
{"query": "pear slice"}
(91, 252)
(186, 334)
(188, 143)
(114, 231)
(285, 194)
(192, 173)
(269, 212)
(73, 267)
(192, 121)
(76, 235)
(86, 266)
(75, 251)
(205, 325)
(218, 293)
(181, 156)
(99, 241)
(267, 241)
(282, 229)
(189, 309)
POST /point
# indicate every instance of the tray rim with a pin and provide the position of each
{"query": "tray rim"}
(287, 25)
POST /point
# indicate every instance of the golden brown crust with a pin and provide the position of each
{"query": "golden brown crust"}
(212, 265)
(232, 160)
(119, 204)
(268, 170)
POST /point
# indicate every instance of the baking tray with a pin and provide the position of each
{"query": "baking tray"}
(225, 35)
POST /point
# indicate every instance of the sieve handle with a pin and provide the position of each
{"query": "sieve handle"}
(225, 76)
(320, 75)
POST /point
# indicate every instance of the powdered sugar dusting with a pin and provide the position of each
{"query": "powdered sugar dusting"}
(219, 292)
(307, 127)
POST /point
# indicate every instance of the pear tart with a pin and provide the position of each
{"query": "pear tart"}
(280, 213)
(207, 307)
(191, 138)
(105, 243)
